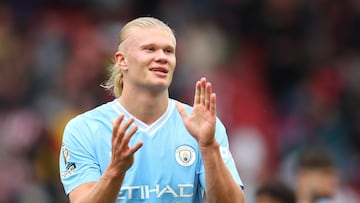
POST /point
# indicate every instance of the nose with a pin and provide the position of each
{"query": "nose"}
(161, 56)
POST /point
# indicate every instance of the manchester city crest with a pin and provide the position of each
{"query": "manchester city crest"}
(185, 155)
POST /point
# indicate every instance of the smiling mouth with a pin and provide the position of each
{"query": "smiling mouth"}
(161, 70)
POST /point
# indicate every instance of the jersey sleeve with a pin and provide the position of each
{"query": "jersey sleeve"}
(77, 161)
(221, 137)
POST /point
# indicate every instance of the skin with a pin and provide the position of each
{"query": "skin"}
(139, 56)
(201, 125)
(266, 199)
(320, 182)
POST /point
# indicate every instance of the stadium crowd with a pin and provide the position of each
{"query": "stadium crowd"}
(286, 74)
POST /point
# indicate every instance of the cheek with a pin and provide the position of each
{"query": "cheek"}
(172, 62)
(136, 63)
(325, 184)
(330, 183)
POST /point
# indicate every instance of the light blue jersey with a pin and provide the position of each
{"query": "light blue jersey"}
(167, 168)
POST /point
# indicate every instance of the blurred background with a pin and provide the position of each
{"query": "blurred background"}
(286, 74)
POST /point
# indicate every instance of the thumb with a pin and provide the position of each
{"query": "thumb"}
(181, 109)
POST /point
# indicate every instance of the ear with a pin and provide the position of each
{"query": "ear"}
(120, 60)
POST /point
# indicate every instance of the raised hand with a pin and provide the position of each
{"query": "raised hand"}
(122, 155)
(201, 122)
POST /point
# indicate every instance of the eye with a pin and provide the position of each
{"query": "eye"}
(149, 49)
(169, 51)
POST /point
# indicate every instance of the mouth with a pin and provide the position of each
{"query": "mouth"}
(159, 70)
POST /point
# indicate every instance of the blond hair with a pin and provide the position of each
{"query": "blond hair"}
(115, 83)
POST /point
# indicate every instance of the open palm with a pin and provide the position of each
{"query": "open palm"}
(201, 122)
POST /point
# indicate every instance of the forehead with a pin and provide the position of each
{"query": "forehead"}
(150, 35)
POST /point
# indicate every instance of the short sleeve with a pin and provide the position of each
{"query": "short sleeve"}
(77, 161)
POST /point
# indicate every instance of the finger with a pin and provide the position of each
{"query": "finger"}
(181, 110)
(126, 139)
(202, 91)
(197, 93)
(116, 125)
(121, 132)
(136, 147)
(126, 125)
(213, 104)
(208, 92)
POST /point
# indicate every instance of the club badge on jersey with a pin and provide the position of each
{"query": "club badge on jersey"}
(185, 155)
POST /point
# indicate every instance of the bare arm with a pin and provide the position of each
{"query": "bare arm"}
(108, 186)
(220, 185)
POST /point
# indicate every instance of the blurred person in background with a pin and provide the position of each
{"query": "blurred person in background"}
(143, 145)
(274, 191)
(316, 177)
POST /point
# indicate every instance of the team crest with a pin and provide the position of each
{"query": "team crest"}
(185, 155)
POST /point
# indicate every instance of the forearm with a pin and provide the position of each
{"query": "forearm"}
(105, 190)
(220, 185)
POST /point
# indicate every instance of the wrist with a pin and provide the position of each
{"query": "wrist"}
(213, 145)
(114, 173)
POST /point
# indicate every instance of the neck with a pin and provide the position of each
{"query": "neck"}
(147, 107)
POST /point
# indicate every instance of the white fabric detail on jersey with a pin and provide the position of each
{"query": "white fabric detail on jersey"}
(149, 129)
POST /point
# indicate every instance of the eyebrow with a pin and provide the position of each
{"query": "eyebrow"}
(172, 47)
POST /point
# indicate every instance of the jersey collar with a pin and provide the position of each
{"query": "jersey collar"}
(149, 129)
